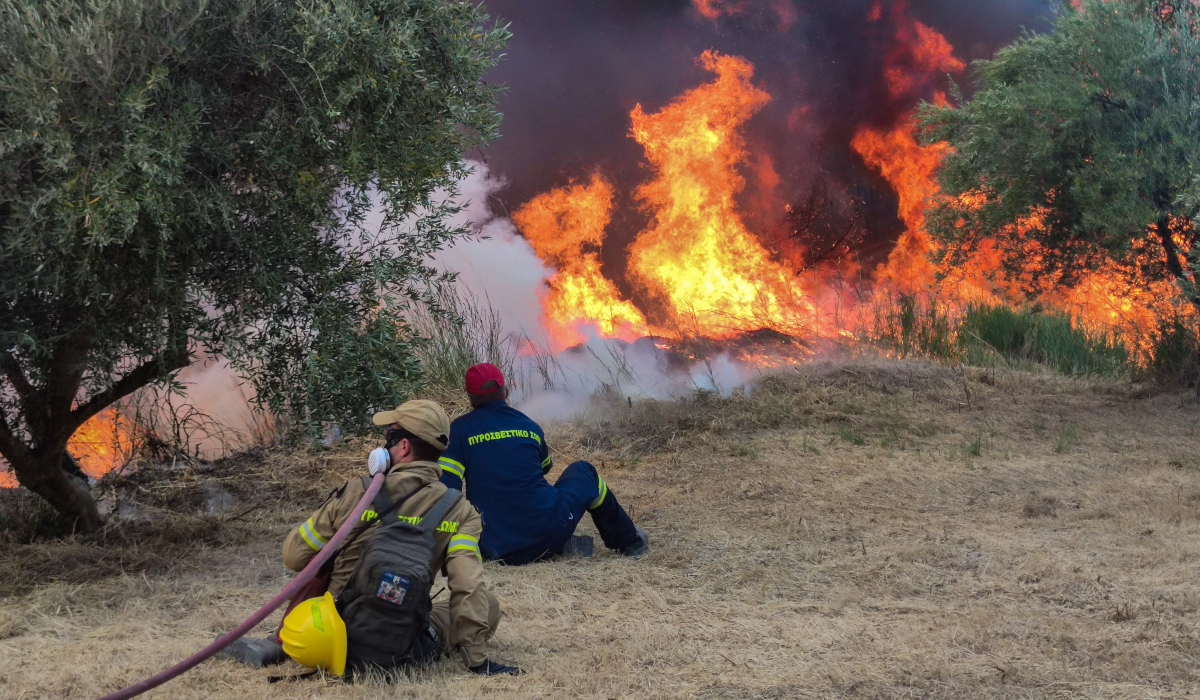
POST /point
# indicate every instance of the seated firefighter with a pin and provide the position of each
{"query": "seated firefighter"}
(377, 610)
(502, 456)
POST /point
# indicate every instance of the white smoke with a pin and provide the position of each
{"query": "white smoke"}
(627, 371)
(497, 266)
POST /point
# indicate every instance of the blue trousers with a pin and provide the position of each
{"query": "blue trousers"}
(581, 489)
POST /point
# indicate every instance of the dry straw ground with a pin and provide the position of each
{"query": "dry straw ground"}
(856, 529)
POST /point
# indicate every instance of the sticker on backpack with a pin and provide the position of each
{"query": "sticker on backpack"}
(393, 588)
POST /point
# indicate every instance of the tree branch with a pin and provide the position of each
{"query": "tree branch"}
(136, 379)
(1108, 102)
(12, 370)
(1168, 243)
(10, 446)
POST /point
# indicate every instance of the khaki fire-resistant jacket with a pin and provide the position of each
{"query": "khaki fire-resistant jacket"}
(456, 550)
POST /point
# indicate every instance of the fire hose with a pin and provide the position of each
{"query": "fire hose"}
(261, 614)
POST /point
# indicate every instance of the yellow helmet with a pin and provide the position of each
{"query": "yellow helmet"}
(314, 635)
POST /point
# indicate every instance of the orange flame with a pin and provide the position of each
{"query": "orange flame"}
(698, 254)
(919, 53)
(104, 443)
(558, 224)
(785, 13)
(713, 9)
(909, 168)
(1114, 299)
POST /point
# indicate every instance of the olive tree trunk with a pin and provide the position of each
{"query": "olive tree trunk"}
(56, 477)
(52, 412)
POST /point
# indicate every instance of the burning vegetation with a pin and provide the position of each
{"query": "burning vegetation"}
(698, 269)
(105, 442)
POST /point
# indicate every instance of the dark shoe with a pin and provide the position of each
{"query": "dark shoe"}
(254, 651)
(639, 547)
(491, 668)
(580, 545)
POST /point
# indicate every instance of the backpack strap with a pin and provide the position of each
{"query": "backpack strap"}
(433, 518)
(383, 508)
(383, 505)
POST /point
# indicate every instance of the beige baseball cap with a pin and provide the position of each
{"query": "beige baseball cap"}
(425, 419)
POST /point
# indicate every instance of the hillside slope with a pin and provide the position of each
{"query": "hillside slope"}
(860, 528)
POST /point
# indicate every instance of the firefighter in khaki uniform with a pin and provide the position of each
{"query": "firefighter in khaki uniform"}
(417, 433)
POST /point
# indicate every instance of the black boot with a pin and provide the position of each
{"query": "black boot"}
(639, 547)
(254, 651)
(580, 545)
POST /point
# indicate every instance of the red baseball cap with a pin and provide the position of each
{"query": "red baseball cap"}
(479, 376)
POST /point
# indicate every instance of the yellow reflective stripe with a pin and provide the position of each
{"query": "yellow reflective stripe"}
(449, 465)
(466, 543)
(546, 460)
(603, 488)
(309, 533)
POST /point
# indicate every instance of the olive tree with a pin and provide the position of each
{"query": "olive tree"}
(1078, 148)
(187, 176)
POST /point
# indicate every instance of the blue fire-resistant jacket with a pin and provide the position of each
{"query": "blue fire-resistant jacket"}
(502, 456)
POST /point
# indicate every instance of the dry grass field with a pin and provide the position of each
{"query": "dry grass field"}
(850, 529)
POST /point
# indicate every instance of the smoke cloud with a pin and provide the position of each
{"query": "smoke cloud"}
(497, 266)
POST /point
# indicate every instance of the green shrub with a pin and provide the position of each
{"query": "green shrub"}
(457, 331)
(915, 325)
(988, 332)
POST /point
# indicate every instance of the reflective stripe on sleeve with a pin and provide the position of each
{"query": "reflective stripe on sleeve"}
(546, 461)
(309, 532)
(449, 465)
(464, 542)
(603, 488)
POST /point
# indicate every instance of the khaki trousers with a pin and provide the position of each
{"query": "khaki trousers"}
(439, 619)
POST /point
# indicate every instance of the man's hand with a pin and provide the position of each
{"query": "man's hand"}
(379, 461)
(491, 668)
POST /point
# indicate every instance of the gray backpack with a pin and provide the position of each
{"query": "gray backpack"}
(385, 604)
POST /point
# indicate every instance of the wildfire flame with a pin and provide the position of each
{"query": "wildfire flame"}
(704, 272)
(558, 225)
(104, 443)
(918, 53)
(698, 254)
(711, 274)
(909, 168)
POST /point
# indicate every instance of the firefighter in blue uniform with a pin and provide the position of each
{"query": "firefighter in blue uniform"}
(502, 456)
